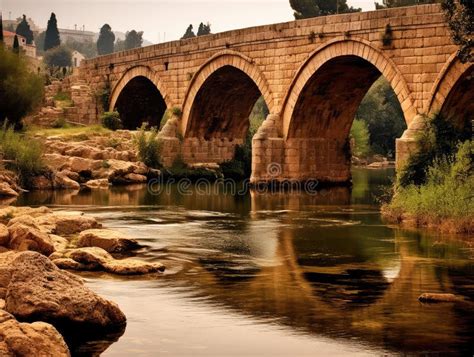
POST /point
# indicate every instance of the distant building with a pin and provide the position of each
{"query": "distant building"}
(9, 38)
(76, 35)
(77, 58)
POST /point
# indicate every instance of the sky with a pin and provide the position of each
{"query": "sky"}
(159, 19)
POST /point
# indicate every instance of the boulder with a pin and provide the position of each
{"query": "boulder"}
(25, 237)
(437, 297)
(94, 258)
(41, 182)
(7, 191)
(66, 223)
(98, 184)
(62, 180)
(24, 339)
(4, 235)
(110, 241)
(135, 178)
(39, 290)
(56, 162)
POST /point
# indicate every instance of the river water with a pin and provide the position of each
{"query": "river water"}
(280, 274)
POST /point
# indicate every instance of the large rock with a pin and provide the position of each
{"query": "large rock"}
(98, 184)
(94, 258)
(35, 339)
(66, 223)
(27, 237)
(111, 241)
(7, 191)
(62, 180)
(38, 290)
(4, 235)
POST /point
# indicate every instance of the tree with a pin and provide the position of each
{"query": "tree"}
(60, 56)
(360, 135)
(1, 28)
(52, 38)
(20, 89)
(133, 39)
(400, 3)
(87, 48)
(189, 33)
(23, 29)
(460, 17)
(382, 112)
(105, 42)
(16, 45)
(119, 45)
(204, 29)
(39, 42)
(312, 8)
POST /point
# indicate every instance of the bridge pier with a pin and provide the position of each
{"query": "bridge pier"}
(407, 145)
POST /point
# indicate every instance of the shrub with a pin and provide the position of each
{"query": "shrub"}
(60, 56)
(440, 138)
(20, 90)
(447, 194)
(111, 120)
(149, 147)
(23, 155)
(60, 123)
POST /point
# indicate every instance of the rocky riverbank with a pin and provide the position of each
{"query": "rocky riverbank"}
(42, 304)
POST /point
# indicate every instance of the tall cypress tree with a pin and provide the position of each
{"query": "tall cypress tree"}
(105, 42)
(189, 33)
(52, 39)
(1, 28)
(204, 29)
(23, 29)
(16, 45)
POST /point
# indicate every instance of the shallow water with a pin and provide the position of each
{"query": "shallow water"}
(280, 274)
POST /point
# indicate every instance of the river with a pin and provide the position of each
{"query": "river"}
(279, 274)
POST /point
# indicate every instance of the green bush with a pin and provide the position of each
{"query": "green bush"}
(23, 155)
(111, 120)
(447, 193)
(60, 56)
(20, 90)
(149, 147)
(440, 138)
(361, 136)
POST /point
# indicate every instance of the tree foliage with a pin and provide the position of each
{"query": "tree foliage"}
(20, 89)
(189, 33)
(1, 28)
(204, 29)
(87, 48)
(23, 29)
(105, 42)
(16, 45)
(304, 9)
(460, 17)
(360, 135)
(60, 56)
(52, 38)
(382, 112)
(133, 39)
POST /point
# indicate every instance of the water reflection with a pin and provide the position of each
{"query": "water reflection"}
(282, 274)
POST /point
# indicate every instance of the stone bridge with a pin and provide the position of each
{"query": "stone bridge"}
(312, 74)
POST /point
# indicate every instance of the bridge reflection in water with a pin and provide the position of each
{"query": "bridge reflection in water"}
(321, 266)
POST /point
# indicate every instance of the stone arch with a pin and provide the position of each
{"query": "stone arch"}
(144, 92)
(233, 61)
(453, 91)
(358, 49)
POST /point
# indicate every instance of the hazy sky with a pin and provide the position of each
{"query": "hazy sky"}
(157, 17)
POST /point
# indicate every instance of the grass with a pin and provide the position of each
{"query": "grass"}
(63, 100)
(23, 155)
(445, 200)
(69, 132)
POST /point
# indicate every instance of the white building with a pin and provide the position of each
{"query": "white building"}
(77, 58)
